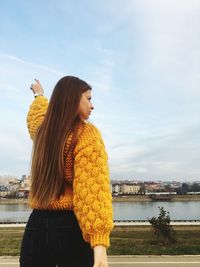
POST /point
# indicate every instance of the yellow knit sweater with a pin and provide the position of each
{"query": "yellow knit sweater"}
(89, 193)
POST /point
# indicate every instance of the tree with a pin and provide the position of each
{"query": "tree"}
(162, 228)
(184, 188)
(142, 190)
(195, 187)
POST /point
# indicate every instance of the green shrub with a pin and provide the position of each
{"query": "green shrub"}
(161, 227)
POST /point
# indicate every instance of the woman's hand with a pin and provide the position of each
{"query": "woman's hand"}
(100, 257)
(37, 87)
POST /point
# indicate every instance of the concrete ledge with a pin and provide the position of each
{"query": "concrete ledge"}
(116, 223)
(10, 225)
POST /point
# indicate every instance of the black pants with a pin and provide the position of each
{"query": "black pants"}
(54, 238)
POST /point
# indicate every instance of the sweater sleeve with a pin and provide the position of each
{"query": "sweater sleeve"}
(36, 114)
(92, 198)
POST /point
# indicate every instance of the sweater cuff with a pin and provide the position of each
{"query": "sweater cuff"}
(37, 97)
(100, 239)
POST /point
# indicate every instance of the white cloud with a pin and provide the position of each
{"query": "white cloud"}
(15, 79)
(170, 60)
(29, 64)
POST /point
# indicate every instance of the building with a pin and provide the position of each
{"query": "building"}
(116, 189)
(24, 189)
(25, 183)
(4, 192)
(152, 187)
(130, 189)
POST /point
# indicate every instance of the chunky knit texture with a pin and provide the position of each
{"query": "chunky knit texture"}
(87, 189)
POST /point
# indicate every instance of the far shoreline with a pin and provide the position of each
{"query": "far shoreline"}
(132, 198)
(145, 198)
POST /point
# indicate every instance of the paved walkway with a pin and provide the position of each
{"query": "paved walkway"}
(154, 261)
(133, 223)
(118, 223)
(128, 261)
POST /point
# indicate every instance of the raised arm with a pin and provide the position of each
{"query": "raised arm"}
(37, 109)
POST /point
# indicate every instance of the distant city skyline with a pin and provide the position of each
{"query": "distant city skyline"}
(113, 180)
(143, 64)
(157, 190)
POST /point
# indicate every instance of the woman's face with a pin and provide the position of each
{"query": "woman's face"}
(85, 106)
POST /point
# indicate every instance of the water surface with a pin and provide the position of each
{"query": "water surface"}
(186, 210)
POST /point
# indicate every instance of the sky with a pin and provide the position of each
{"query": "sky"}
(142, 59)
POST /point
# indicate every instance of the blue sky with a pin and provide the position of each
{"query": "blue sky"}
(142, 59)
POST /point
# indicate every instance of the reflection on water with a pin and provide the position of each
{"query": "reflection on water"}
(187, 210)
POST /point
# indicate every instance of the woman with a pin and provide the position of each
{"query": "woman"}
(70, 194)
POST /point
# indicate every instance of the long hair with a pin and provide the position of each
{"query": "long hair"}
(47, 166)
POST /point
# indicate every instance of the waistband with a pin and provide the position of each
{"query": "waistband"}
(52, 218)
(52, 212)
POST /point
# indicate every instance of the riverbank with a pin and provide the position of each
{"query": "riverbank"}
(136, 240)
(143, 198)
(133, 198)
(142, 241)
(14, 201)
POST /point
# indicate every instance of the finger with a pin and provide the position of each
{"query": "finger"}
(37, 81)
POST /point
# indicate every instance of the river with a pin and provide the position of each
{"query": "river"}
(179, 210)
